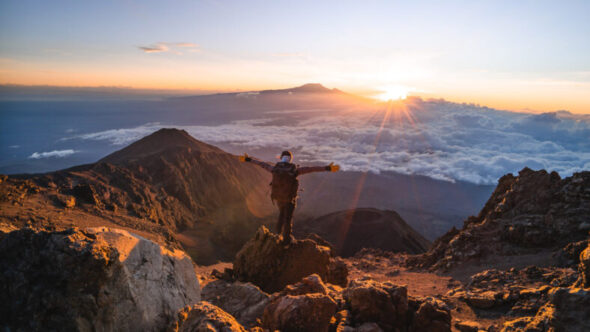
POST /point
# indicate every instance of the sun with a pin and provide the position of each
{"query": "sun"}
(393, 92)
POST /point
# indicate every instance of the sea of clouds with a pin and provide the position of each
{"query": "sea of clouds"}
(435, 138)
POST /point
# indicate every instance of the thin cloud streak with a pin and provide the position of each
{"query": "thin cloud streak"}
(163, 47)
(52, 154)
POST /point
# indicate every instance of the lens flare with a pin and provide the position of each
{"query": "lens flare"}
(393, 92)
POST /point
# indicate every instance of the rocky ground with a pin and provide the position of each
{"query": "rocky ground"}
(523, 298)
(522, 264)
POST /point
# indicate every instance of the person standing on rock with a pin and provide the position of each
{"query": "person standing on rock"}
(285, 185)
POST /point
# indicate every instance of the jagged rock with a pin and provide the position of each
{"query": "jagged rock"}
(535, 210)
(432, 315)
(309, 312)
(308, 285)
(244, 301)
(303, 306)
(584, 268)
(570, 254)
(337, 272)
(101, 279)
(343, 321)
(65, 201)
(86, 193)
(383, 303)
(205, 317)
(484, 300)
(568, 309)
(271, 265)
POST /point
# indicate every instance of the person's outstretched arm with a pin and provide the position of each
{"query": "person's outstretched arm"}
(312, 169)
(264, 165)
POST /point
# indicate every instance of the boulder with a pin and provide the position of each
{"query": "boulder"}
(308, 285)
(483, 300)
(98, 279)
(271, 265)
(205, 317)
(244, 301)
(383, 303)
(432, 315)
(309, 312)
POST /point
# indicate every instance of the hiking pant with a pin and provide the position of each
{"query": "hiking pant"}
(285, 222)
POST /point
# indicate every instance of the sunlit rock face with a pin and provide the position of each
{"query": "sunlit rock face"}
(96, 279)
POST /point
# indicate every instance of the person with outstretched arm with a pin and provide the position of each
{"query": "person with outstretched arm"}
(285, 186)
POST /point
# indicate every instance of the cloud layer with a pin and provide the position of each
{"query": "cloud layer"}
(52, 154)
(434, 138)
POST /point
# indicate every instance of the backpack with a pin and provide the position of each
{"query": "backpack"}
(284, 185)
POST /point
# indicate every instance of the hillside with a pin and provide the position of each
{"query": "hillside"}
(168, 180)
(350, 231)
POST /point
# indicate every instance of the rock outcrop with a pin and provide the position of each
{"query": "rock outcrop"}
(533, 211)
(383, 303)
(308, 312)
(350, 231)
(568, 309)
(205, 317)
(432, 315)
(244, 301)
(271, 265)
(303, 306)
(96, 279)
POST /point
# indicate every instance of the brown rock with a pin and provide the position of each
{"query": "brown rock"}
(568, 309)
(205, 317)
(244, 301)
(534, 210)
(467, 326)
(382, 303)
(308, 285)
(310, 312)
(271, 265)
(432, 315)
(484, 300)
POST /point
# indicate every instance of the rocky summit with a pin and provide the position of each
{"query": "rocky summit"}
(533, 213)
(94, 279)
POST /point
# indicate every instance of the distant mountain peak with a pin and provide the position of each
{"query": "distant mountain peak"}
(158, 141)
(305, 88)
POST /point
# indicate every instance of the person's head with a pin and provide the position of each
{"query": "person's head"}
(286, 156)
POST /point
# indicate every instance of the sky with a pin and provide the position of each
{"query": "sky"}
(515, 55)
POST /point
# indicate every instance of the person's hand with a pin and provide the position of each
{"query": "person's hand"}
(333, 168)
(245, 158)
